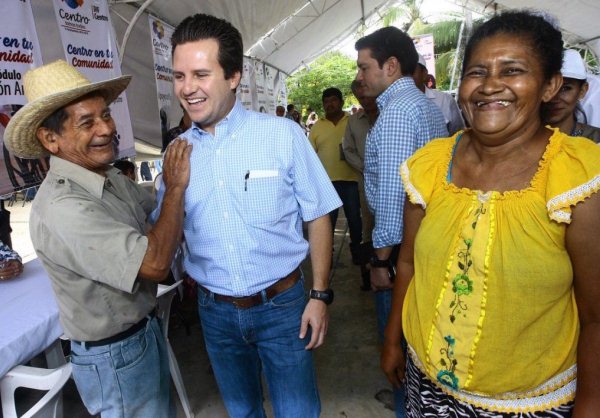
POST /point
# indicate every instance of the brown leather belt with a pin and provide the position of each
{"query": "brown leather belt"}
(246, 302)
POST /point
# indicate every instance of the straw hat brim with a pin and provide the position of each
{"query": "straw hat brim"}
(20, 134)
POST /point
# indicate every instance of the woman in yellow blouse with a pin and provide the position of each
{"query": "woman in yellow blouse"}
(498, 289)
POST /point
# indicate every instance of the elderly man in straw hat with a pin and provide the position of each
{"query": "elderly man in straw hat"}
(88, 228)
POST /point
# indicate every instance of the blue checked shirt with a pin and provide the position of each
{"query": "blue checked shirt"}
(251, 186)
(407, 121)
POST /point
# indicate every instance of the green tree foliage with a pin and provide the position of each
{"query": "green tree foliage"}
(445, 33)
(407, 11)
(332, 69)
(445, 37)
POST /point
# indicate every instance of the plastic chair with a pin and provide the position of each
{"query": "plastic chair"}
(164, 298)
(51, 380)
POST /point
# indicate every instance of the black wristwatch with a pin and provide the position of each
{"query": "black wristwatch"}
(377, 263)
(322, 295)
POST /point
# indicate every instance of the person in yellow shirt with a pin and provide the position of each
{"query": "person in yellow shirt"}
(326, 137)
(498, 279)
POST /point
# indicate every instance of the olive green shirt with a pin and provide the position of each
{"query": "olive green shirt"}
(89, 233)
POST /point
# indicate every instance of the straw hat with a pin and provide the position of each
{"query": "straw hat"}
(48, 88)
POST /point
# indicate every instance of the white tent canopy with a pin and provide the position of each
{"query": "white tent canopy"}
(283, 33)
(578, 19)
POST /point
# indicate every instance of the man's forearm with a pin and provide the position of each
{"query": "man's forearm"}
(320, 240)
(164, 237)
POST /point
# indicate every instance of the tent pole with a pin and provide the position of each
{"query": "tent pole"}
(130, 28)
(456, 54)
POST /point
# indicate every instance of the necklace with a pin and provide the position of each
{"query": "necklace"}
(577, 129)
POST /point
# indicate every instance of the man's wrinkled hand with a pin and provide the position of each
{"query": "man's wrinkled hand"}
(176, 165)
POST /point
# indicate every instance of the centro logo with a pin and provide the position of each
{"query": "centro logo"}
(158, 29)
(74, 4)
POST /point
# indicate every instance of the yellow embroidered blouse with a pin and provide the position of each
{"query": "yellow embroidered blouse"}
(491, 310)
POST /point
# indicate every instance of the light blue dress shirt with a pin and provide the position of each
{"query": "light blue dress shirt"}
(251, 186)
(407, 121)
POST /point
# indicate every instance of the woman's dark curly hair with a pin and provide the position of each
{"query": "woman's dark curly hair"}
(529, 26)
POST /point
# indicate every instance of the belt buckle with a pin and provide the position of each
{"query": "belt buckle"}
(237, 304)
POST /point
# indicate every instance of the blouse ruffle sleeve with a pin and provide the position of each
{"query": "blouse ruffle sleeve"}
(422, 170)
(573, 176)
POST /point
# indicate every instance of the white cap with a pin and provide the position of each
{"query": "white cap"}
(573, 65)
(422, 61)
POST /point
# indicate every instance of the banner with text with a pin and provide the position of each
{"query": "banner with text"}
(19, 49)
(271, 93)
(160, 34)
(260, 105)
(424, 46)
(246, 87)
(281, 90)
(89, 43)
(19, 53)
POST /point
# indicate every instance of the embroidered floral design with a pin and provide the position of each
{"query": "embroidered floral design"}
(462, 285)
(447, 376)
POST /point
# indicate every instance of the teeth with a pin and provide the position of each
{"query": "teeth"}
(194, 101)
(500, 102)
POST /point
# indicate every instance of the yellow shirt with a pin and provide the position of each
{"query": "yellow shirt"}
(491, 308)
(326, 138)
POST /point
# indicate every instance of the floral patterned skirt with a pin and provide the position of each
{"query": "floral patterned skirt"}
(425, 400)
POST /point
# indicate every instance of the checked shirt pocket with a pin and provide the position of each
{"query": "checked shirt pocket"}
(261, 197)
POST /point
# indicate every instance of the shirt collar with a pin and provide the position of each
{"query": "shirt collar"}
(400, 84)
(345, 116)
(93, 183)
(228, 124)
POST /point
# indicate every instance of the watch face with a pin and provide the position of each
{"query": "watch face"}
(325, 295)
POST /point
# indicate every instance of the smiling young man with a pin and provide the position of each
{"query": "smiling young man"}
(88, 227)
(407, 120)
(254, 180)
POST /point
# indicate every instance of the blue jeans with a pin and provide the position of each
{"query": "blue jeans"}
(126, 379)
(383, 305)
(348, 193)
(242, 343)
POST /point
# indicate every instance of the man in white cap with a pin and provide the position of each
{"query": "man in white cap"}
(443, 100)
(88, 228)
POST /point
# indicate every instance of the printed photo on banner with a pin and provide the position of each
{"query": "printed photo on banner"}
(160, 35)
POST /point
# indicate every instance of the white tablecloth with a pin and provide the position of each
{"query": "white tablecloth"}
(28, 316)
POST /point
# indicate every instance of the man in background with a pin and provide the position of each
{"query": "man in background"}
(326, 138)
(444, 101)
(280, 111)
(291, 110)
(126, 167)
(407, 120)
(353, 144)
